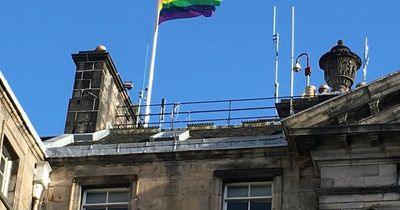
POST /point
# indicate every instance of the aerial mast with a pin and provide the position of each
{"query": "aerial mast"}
(291, 67)
(366, 60)
(275, 39)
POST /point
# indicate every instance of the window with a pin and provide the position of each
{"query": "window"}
(248, 196)
(5, 170)
(106, 199)
(115, 192)
(8, 170)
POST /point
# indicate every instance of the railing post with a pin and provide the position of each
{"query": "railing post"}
(162, 112)
(229, 113)
(175, 110)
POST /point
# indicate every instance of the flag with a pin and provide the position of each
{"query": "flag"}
(176, 9)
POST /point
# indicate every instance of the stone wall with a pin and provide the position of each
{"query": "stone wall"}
(185, 180)
(360, 175)
(113, 108)
(20, 141)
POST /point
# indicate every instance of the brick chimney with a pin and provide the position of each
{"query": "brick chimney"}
(99, 98)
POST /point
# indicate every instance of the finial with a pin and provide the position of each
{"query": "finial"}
(340, 65)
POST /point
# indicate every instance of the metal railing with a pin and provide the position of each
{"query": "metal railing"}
(212, 112)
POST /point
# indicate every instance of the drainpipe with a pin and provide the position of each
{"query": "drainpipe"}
(41, 181)
(37, 194)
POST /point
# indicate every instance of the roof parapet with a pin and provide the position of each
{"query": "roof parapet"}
(169, 146)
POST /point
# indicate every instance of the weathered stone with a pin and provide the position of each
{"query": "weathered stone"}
(388, 170)
(21, 148)
(350, 182)
(380, 180)
(102, 93)
(340, 65)
(350, 171)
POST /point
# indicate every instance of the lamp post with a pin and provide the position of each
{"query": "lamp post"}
(307, 70)
(310, 89)
(296, 68)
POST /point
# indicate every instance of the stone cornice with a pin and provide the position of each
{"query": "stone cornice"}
(347, 129)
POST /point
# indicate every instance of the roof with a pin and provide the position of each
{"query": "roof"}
(372, 109)
(22, 114)
(277, 140)
(138, 141)
(142, 134)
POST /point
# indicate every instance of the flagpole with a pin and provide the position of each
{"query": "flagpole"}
(149, 88)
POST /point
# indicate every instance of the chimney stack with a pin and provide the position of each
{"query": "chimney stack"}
(99, 98)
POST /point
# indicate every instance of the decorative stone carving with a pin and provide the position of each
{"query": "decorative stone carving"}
(374, 107)
(342, 119)
(340, 66)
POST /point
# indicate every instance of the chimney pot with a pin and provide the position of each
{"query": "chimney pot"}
(101, 48)
(323, 89)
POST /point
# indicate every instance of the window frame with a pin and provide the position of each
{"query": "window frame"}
(107, 204)
(11, 168)
(6, 174)
(248, 198)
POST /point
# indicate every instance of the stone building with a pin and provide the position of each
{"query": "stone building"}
(335, 150)
(24, 173)
(339, 150)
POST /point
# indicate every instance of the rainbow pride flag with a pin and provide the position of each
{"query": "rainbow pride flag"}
(176, 9)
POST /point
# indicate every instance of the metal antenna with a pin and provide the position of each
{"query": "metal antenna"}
(291, 67)
(138, 108)
(145, 66)
(140, 98)
(275, 39)
(366, 60)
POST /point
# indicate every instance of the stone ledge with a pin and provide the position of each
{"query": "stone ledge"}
(248, 174)
(348, 129)
(109, 180)
(356, 190)
(169, 146)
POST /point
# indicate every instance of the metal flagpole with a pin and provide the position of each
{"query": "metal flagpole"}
(151, 70)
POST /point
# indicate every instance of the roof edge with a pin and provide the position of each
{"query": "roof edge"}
(23, 114)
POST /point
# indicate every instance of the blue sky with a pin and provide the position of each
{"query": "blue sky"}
(230, 55)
